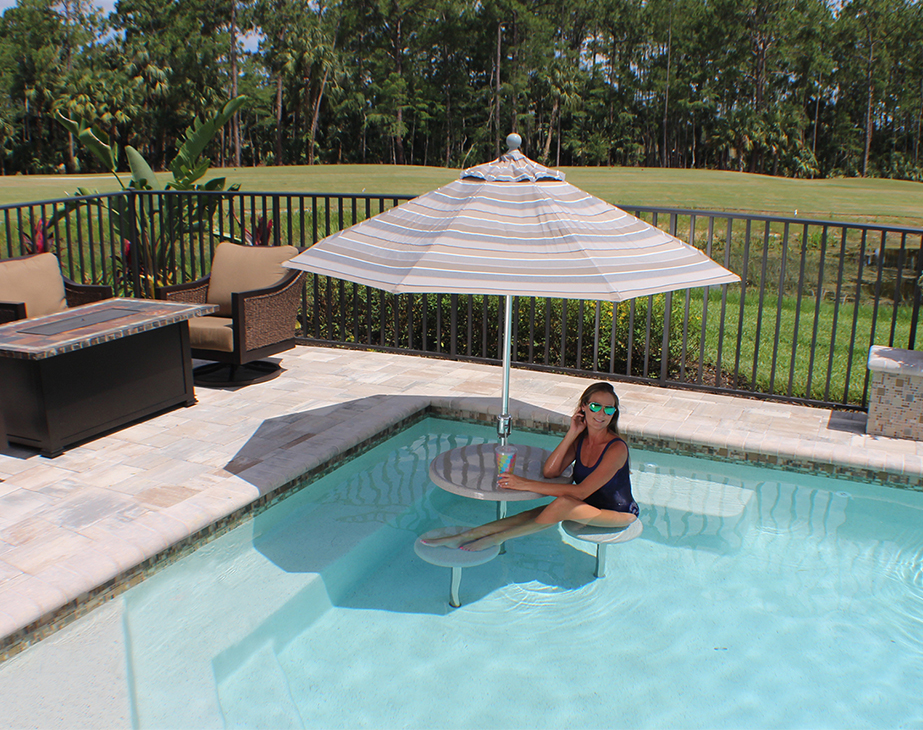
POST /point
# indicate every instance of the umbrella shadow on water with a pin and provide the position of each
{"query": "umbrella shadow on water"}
(384, 574)
(356, 526)
(350, 537)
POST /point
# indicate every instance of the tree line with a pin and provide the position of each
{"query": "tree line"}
(807, 88)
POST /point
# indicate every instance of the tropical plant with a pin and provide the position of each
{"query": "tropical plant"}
(41, 239)
(153, 226)
(260, 235)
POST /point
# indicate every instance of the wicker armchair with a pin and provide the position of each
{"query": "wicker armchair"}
(258, 302)
(33, 286)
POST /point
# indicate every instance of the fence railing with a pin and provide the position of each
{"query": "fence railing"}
(814, 295)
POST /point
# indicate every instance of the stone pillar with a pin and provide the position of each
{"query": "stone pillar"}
(896, 396)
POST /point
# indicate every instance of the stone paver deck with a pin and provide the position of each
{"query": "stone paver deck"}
(80, 528)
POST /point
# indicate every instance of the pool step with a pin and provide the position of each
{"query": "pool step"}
(312, 555)
(693, 511)
(338, 578)
(257, 695)
(181, 626)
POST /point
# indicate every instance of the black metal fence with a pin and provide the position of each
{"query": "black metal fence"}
(814, 295)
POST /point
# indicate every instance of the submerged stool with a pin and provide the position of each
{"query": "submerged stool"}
(447, 557)
(603, 537)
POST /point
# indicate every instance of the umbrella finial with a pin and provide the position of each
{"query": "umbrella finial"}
(513, 141)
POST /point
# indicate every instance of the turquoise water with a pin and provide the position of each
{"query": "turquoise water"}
(755, 598)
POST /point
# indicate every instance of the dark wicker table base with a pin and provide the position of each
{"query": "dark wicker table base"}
(60, 397)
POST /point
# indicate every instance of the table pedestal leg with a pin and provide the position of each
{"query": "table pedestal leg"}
(453, 587)
(501, 513)
(601, 560)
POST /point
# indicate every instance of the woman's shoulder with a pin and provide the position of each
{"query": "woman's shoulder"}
(615, 445)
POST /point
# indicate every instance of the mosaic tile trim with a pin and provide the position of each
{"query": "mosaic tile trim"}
(896, 406)
(912, 482)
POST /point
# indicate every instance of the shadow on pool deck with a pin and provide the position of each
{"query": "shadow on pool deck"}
(280, 434)
(848, 422)
(298, 438)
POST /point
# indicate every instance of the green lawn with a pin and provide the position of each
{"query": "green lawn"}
(808, 376)
(892, 202)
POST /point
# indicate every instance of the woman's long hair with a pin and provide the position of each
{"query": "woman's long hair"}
(603, 387)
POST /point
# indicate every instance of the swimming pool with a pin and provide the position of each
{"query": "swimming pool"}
(754, 598)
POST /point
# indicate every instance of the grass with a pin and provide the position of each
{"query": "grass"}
(808, 378)
(811, 359)
(890, 202)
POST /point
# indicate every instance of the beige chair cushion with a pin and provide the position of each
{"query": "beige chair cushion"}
(211, 333)
(237, 268)
(35, 280)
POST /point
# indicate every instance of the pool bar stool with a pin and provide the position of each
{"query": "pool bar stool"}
(453, 558)
(603, 537)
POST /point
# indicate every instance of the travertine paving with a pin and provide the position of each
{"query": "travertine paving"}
(79, 528)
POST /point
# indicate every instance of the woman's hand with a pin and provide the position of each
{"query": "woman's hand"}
(578, 422)
(512, 481)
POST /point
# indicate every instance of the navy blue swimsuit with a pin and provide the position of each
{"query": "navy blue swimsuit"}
(615, 494)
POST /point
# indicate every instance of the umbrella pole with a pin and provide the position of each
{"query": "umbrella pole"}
(503, 420)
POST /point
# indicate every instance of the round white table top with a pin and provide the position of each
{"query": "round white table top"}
(471, 471)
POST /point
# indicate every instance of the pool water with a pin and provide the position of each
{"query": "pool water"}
(754, 598)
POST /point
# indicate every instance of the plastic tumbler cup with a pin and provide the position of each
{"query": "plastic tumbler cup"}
(506, 458)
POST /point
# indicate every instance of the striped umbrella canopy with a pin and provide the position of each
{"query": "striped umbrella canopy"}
(512, 227)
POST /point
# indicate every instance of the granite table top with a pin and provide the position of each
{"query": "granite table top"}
(91, 324)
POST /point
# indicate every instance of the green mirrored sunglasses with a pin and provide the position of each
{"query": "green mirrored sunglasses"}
(596, 407)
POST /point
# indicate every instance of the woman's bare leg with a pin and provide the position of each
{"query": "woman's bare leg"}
(534, 520)
(567, 508)
(491, 528)
(526, 528)
(562, 508)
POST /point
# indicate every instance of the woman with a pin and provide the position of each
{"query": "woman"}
(600, 494)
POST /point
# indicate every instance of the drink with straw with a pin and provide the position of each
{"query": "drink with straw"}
(506, 458)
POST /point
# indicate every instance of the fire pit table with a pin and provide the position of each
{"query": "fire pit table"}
(69, 376)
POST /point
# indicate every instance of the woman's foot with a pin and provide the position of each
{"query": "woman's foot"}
(477, 545)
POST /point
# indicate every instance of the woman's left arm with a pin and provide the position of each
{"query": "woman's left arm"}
(613, 460)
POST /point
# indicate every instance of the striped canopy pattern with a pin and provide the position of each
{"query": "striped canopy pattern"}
(512, 227)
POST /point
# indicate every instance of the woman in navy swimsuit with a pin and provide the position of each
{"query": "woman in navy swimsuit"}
(600, 494)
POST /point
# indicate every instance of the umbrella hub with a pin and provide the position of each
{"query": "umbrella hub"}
(512, 167)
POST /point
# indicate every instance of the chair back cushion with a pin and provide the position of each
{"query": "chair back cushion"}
(237, 268)
(34, 280)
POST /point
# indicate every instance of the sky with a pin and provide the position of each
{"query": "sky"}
(107, 5)
(250, 42)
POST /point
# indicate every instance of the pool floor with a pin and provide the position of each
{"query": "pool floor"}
(754, 598)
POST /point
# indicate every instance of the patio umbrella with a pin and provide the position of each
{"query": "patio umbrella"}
(512, 227)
